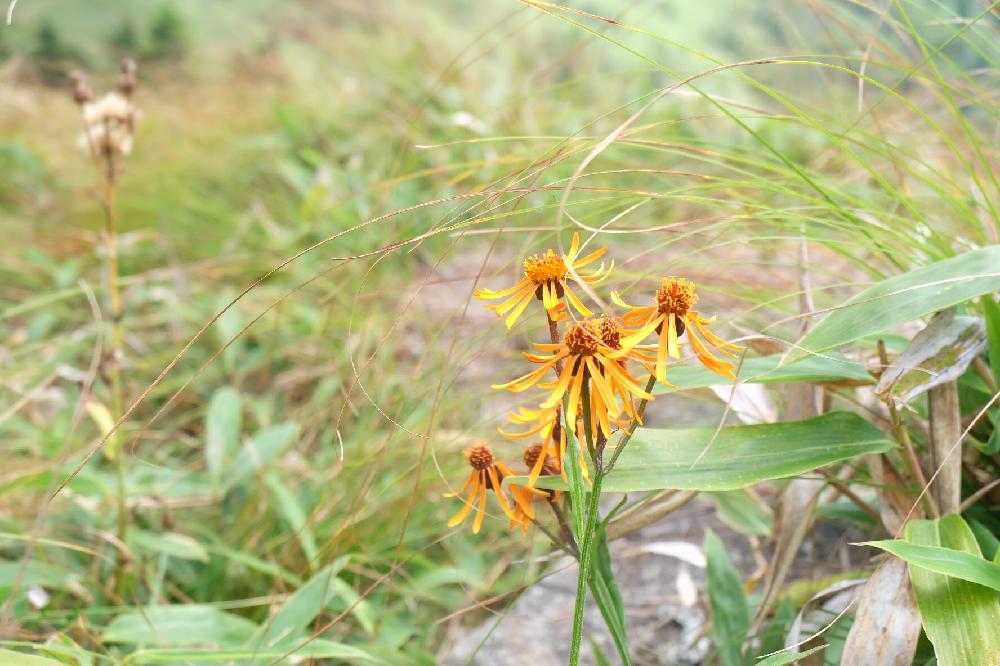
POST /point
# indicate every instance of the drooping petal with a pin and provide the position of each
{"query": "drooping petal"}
(564, 381)
(468, 483)
(468, 502)
(518, 310)
(577, 303)
(480, 510)
(574, 248)
(590, 258)
(671, 332)
(719, 367)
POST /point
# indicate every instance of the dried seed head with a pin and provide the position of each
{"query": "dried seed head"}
(549, 468)
(543, 268)
(127, 82)
(480, 457)
(81, 91)
(676, 295)
(583, 338)
(112, 108)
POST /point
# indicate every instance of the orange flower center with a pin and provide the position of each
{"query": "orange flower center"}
(610, 332)
(480, 457)
(676, 295)
(543, 268)
(583, 338)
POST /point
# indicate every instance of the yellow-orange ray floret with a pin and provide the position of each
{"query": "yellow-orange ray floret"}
(586, 359)
(535, 457)
(671, 317)
(547, 277)
(487, 474)
(544, 424)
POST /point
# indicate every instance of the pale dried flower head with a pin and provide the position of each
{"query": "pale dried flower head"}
(103, 141)
(111, 108)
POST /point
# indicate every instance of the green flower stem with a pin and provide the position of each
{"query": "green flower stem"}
(593, 509)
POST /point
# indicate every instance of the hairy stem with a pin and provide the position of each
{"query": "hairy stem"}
(586, 539)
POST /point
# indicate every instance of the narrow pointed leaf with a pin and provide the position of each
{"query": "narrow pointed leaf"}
(961, 618)
(904, 298)
(737, 456)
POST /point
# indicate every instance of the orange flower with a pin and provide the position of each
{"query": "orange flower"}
(587, 359)
(487, 474)
(547, 278)
(534, 456)
(671, 317)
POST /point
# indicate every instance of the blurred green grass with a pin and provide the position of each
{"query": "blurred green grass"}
(284, 124)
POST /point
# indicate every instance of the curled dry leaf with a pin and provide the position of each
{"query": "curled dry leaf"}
(887, 623)
(938, 354)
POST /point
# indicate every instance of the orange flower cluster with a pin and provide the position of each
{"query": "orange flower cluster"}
(591, 366)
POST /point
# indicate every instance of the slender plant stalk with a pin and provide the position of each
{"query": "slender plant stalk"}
(593, 509)
(587, 538)
(117, 347)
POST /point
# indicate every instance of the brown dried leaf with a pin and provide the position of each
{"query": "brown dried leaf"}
(938, 354)
(887, 624)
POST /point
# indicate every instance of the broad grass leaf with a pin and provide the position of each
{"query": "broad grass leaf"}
(176, 545)
(222, 428)
(289, 507)
(825, 368)
(737, 456)
(301, 608)
(730, 612)
(35, 573)
(945, 560)
(11, 658)
(991, 312)
(315, 649)
(961, 618)
(903, 298)
(742, 511)
(259, 450)
(180, 625)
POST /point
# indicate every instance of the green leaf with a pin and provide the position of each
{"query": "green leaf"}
(176, 545)
(11, 658)
(741, 511)
(35, 574)
(316, 649)
(259, 450)
(991, 312)
(607, 595)
(905, 297)
(290, 509)
(832, 367)
(738, 456)
(783, 658)
(190, 624)
(574, 473)
(947, 561)
(961, 619)
(730, 612)
(222, 428)
(360, 608)
(302, 607)
(988, 542)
